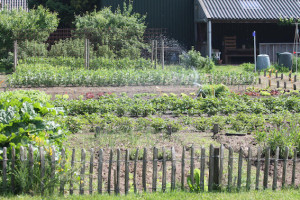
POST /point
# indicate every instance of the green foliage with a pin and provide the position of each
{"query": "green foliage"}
(214, 90)
(120, 32)
(32, 48)
(248, 67)
(196, 186)
(193, 59)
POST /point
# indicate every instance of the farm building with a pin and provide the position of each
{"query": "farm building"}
(13, 4)
(219, 25)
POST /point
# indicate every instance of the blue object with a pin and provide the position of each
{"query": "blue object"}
(253, 34)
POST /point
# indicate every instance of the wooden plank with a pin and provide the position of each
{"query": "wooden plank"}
(100, 168)
(82, 172)
(30, 163)
(182, 168)
(267, 166)
(144, 172)
(294, 167)
(134, 170)
(62, 165)
(154, 174)
(211, 168)
(248, 184)
(117, 189)
(4, 170)
(216, 170)
(173, 174)
(42, 168)
(164, 174)
(126, 171)
(192, 164)
(285, 159)
(109, 171)
(221, 164)
(258, 165)
(72, 171)
(13, 169)
(202, 169)
(115, 182)
(230, 168)
(274, 187)
(91, 171)
(240, 165)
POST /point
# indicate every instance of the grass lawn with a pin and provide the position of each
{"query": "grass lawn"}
(268, 194)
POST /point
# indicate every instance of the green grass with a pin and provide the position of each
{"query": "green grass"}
(272, 195)
(229, 68)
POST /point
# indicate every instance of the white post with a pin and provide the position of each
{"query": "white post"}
(297, 38)
(254, 35)
(209, 44)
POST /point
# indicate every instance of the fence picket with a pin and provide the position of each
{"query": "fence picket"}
(274, 187)
(62, 165)
(294, 167)
(72, 172)
(134, 170)
(285, 158)
(127, 171)
(117, 189)
(100, 167)
(115, 182)
(91, 171)
(109, 171)
(267, 166)
(144, 173)
(221, 164)
(202, 168)
(164, 174)
(4, 170)
(192, 164)
(42, 168)
(31, 161)
(240, 165)
(211, 168)
(173, 174)
(13, 169)
(248, 184)
(230, 168)
(82, 172)
(154, 174)
(258, 165)
(182, 168)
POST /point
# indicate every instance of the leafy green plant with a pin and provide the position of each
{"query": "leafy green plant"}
(196, 186)
(193, 59)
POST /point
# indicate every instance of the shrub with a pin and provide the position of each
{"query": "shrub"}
(32, 48)
(214, 90)
(248, 67)
(193, 59)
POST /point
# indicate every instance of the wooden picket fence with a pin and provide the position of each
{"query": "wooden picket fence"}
(214, 164)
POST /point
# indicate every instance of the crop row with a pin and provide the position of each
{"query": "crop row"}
(37, 75)
(138, 106)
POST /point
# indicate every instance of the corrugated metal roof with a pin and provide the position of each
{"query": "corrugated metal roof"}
(250, 9)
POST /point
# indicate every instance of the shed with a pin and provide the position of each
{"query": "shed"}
(227, 25)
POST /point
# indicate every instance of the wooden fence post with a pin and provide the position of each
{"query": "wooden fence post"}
(202, 168)
(155, 62)
(258, 168)
(154, 175)
(144, 175)
(221, 164)
(82, 172)
(192, 165)
(31, 161)
(13, 168)
(284, 85)
(15, 55)
(248, 184)
(294, 167)
(4, 170)
(211, 168)
(285, 159)
(267, 166)
(295, 78)
(162, 54)
(230, 168)
(118, 171)
(274, 187)
(182, 168)
(281, 77)
(173, 174)
(62, 165)
(276, 74)
(109, 171)
(42, 168)
(240, 165)
(278, 84)
(100, 168)
(72, 172)
(164, 174)
(265, 73)
(216, 177)
(91, 171)
(126, 172)
(134, 170)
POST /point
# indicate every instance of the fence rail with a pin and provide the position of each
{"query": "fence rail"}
(159, 171)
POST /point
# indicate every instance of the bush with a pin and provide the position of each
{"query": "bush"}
(248, 67)
(119, 32)
(32, 48)
(214, 90)
(193, 59)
